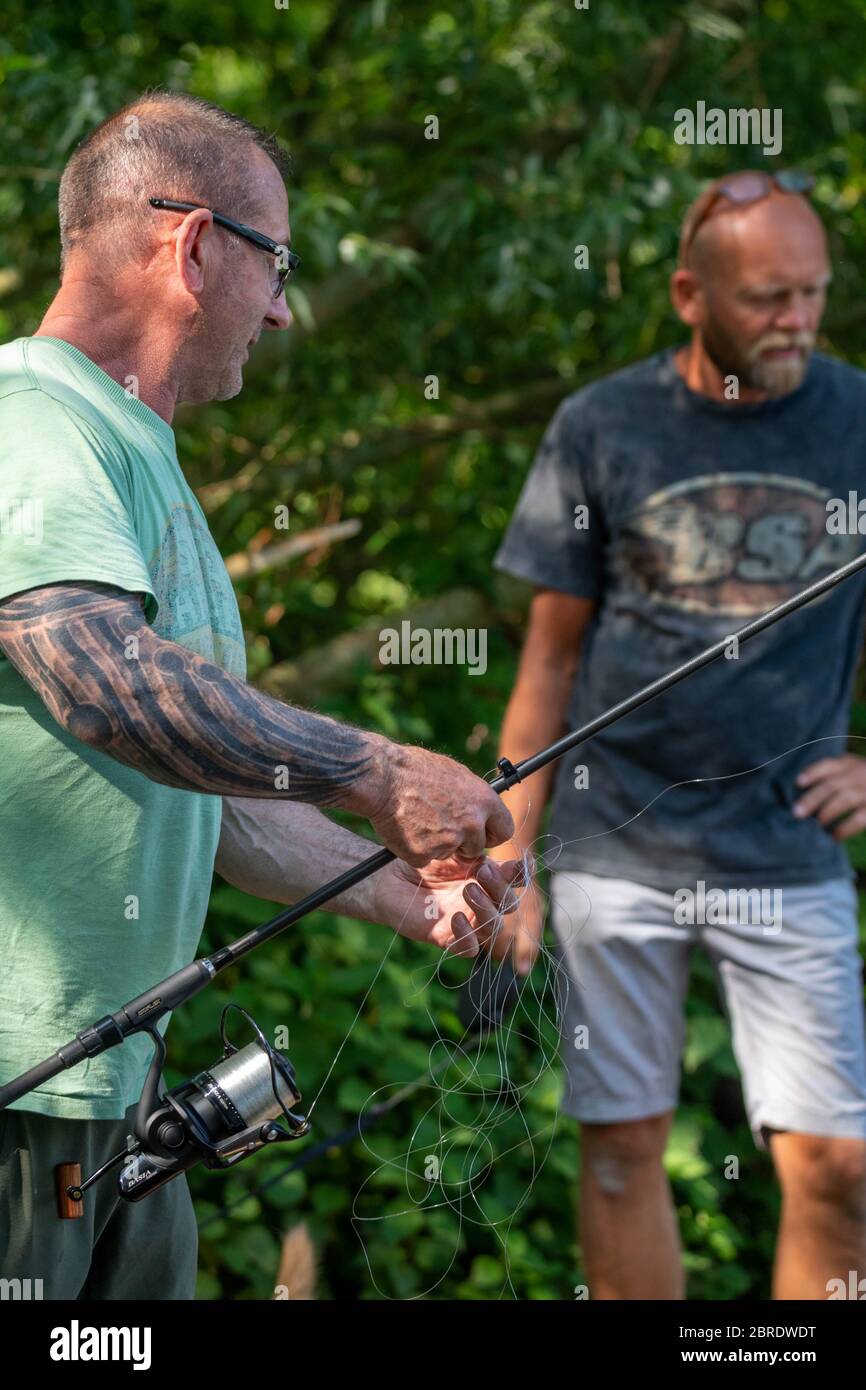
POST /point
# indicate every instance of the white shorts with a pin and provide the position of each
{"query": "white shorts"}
(791, 981)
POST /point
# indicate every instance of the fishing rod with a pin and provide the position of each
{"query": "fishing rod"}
(230, 1110)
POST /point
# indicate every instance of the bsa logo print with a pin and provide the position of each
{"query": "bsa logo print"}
(731, 543)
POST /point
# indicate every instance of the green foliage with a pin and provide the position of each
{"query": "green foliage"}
(449, 257)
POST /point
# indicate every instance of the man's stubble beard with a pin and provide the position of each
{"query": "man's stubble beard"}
(209, 384)
(231, 382)
(215, 370)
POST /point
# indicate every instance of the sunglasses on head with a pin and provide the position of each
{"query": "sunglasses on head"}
(749, 186)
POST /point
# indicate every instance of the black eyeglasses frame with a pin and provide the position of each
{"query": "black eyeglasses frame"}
(264, 243)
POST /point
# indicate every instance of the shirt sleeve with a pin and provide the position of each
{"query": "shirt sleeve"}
(66, 504)
(555, 536)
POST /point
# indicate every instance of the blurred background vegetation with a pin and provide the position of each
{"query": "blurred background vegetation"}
(449, 257)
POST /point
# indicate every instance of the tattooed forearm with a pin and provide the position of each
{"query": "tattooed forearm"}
(110, 681)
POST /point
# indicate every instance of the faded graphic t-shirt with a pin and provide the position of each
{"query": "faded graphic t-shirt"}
(684, 518)
(104, 874)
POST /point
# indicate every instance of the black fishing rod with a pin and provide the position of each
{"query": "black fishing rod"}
(229, 1111)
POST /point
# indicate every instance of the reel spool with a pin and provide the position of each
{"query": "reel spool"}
(220, 1117)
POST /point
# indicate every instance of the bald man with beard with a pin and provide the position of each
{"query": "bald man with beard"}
(669, 504)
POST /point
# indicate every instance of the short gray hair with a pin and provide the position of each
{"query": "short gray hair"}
(162, 144)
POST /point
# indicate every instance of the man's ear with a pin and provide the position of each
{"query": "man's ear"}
(687, 297)
(193, 244)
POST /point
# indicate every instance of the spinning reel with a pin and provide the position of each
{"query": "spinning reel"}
(219, 1118)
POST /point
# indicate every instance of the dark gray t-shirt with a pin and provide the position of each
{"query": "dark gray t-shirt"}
(684, 518)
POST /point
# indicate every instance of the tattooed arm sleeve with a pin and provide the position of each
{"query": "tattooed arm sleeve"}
(108, 679)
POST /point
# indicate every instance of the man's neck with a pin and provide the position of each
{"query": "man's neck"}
(701, 374)
(101, 327)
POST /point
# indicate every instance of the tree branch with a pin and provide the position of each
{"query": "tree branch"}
(245, 564)
(338, 664)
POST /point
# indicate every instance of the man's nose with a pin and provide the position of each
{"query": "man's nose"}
(797, 315)
(279, 315)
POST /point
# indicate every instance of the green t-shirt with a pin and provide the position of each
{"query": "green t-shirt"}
(104, 874)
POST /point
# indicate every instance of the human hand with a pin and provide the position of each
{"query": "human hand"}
(458, 904)
(836, 791)
(425, 806)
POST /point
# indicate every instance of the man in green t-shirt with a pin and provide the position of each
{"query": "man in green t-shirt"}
(134, 758)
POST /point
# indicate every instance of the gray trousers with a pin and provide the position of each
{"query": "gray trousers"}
(117, 1249)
